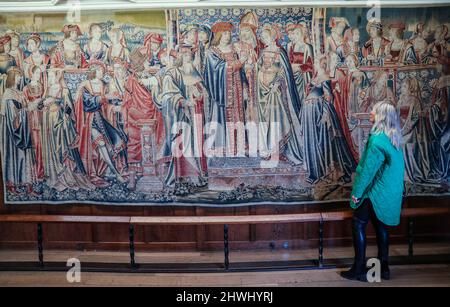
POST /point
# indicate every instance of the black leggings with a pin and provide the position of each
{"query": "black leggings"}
(361, 217)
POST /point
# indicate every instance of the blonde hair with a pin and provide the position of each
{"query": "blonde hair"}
(387, 121)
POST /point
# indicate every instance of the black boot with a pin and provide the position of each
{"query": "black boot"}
(358, 271)
(385, 272)
(383, 249)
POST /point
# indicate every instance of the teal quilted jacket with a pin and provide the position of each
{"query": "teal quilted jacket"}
(379, 177)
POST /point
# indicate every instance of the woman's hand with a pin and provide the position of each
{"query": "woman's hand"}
(354, 199)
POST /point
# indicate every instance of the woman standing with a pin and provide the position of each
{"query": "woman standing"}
(349, 91)
(17, 157)
(279, 127)
(204, 37)
(357, 83)
(118, 49)
(63, 167)
(249, 45)
(34, 92)
(36, 59)
(301, 57)
(424, 157)
(270, 37)
(377, 189)
(326, 151)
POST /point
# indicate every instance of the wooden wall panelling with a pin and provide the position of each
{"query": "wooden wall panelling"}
(103, 236)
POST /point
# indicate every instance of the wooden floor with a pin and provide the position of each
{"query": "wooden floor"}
(403, 275)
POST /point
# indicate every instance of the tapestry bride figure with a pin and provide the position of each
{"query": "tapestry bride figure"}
(279, 128)
(63, 167)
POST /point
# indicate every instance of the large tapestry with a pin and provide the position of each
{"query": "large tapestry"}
(217, 106)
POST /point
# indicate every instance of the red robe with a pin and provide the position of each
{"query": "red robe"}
(138, 104)
(307, 64)
(94, 165)
(340, 104)
(35, 122)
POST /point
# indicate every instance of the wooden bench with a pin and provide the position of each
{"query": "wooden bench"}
(226, 221)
